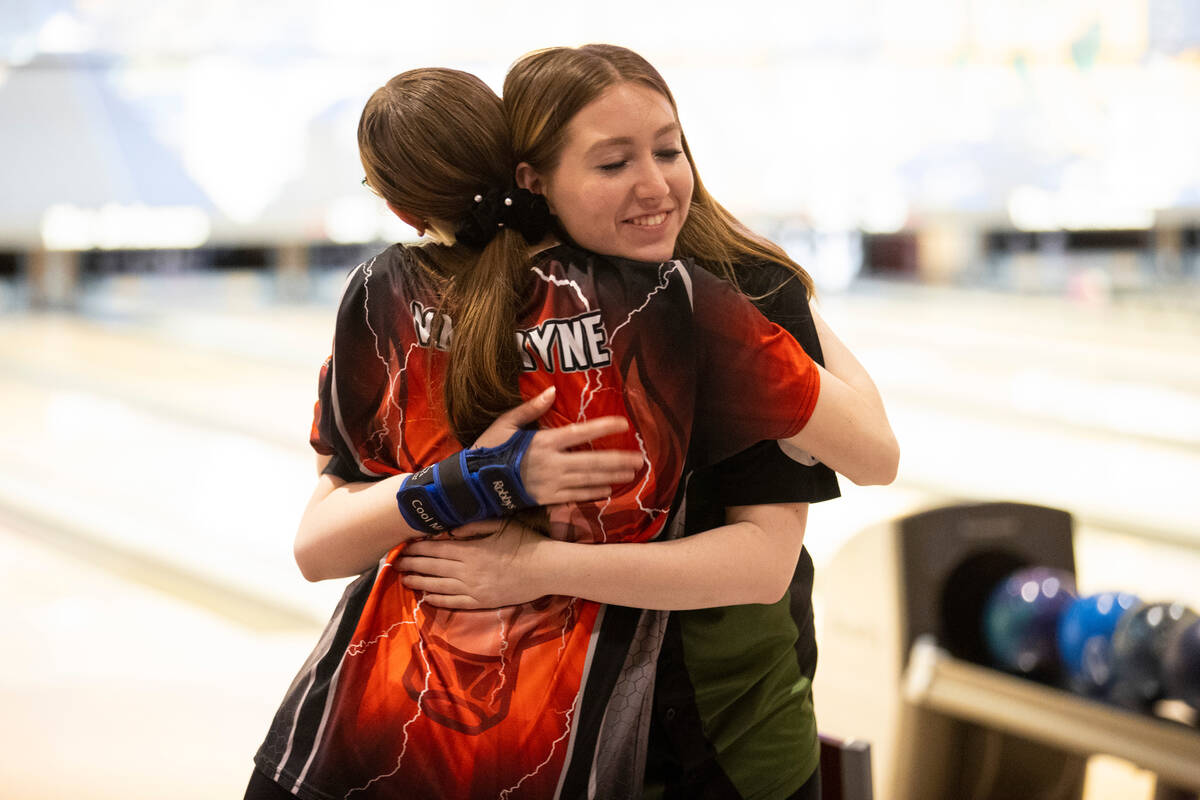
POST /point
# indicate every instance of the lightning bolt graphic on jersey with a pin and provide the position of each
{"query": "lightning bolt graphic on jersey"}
(507, 703)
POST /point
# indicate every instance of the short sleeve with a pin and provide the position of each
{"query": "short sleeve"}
(755, 381)
(763, 473)
(320, 437)
(348, 388)
(323, 436)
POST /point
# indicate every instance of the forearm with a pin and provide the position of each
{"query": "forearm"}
(841, 361)
(348, 527)
(731, 565)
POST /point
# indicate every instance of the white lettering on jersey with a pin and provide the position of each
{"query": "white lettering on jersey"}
(541, 339)
(580, 343)
(571, 345)
(423, 326)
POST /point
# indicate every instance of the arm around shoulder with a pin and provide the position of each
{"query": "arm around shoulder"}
(849, 428)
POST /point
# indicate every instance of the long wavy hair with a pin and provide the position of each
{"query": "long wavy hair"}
(430, 140)
(543, 92)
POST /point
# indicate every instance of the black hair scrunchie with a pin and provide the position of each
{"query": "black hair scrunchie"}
(519, 209)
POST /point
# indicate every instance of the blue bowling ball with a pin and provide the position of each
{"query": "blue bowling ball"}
(1181, 665)
(1020, 621)
(1139, 646)
(1085, 639)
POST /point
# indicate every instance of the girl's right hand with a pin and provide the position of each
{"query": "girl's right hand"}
(552, 471)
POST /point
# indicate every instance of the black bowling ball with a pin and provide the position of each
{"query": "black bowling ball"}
(1139, 645)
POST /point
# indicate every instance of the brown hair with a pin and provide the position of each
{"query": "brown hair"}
(545, 89)
(430, 140)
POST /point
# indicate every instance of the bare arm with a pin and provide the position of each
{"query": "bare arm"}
(750, 559)
(849, 429)
(348, 527)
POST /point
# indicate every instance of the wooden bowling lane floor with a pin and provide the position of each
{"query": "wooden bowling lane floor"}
(150, 480)
(114, 690)
(1095, 410)
(230, 373)
(190, 456)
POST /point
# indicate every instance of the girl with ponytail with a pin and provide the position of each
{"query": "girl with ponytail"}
(547, 697)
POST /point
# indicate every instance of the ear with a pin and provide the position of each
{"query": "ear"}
(409, 219)
(529, 178)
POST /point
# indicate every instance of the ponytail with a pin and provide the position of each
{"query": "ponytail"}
(435, 143)
(484, 301)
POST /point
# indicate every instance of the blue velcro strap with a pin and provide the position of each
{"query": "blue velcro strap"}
(496, 474)
(482, 483)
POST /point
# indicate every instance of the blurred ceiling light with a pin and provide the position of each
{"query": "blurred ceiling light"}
(117, 227)
(63, 33)
(1031, 208)
(22, 50)
(885, 209)
(1080, 213)
(65, 227)
(351, 220)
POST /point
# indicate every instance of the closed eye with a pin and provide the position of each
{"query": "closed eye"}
(613, 166)
(669, 154)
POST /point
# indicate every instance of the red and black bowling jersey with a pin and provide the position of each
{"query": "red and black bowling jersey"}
(543, 699)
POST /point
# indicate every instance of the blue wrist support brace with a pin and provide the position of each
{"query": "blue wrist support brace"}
(482, 483)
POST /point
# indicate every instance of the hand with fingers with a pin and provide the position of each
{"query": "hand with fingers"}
(475, 570)
(512, 467)
(552, 471)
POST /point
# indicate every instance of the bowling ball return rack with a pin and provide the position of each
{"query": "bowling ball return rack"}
(939, 683)
(904, 667)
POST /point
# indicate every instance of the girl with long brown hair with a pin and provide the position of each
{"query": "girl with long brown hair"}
(733, 704)
(550, 697)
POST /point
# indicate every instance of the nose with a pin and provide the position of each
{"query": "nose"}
(651, 182)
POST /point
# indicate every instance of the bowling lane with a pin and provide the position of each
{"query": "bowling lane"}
(192, 459)
(254, 373)
(113, 690)
(1093, 410)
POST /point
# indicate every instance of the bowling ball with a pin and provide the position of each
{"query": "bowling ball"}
(1085, 632)
(1020, 621)
(1181, 665)
(1139, 645)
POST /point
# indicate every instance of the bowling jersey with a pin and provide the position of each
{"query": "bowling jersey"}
(733, 710)
(547, 698)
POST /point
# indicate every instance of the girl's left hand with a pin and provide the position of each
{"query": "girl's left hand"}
(488, 571)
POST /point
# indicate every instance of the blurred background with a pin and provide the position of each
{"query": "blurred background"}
(999, 201)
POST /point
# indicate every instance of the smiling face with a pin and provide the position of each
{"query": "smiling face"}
(622, 185)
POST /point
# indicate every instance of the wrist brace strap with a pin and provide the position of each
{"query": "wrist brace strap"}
(482, 483)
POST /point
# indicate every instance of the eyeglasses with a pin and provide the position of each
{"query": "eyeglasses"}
(370, 188)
